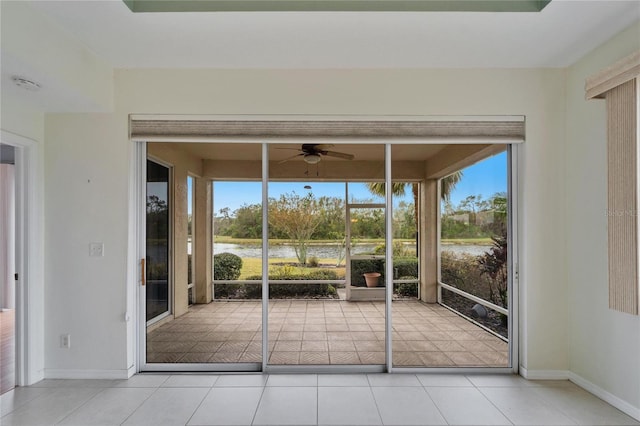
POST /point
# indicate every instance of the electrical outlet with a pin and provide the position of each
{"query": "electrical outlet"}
(65, 341)
(96, 249)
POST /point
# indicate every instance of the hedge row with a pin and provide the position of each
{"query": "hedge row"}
(281, 291)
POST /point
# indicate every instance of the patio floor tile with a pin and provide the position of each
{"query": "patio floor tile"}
(318, 332)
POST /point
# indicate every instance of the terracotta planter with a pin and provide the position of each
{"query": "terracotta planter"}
(372, 278)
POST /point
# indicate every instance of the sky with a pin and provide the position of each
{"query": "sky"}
(485, 178)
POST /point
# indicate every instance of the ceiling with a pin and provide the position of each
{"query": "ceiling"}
(279, 152)
(555, 37)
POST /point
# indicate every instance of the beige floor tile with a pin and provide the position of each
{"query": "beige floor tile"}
(196, 357)
(290, 335)
(292, 327)
(344, 358)
(288, 345)
(422, 346)
(225, 357)
(164, 357)
(406, 359)
(341, 346)
(209, 347)
(314, 335)
(448, 346)
(284, 358)
(314, 346)
(411, 335)
(369, 345)
(377, 357)
(464, 359)
(316, 358)
(237, 347)
(251, 357)
(315, 327)
(363, 335)
(493, 358)
(231, 332)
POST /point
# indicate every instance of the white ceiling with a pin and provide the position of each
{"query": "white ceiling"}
(556, 37)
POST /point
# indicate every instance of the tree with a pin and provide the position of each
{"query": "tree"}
(248, 222)
(297, 217)
(398, 189)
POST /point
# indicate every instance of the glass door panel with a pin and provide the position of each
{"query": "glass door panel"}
(448, 318)
(157, 243)
(212, 244)
(237, 265)
(311, 319)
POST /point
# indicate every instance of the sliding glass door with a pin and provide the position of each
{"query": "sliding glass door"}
(360, 257)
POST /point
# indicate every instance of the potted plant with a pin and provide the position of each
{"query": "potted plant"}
(372, 278)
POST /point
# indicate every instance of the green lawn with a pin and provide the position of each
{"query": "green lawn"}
(467, 241)
(252, 267)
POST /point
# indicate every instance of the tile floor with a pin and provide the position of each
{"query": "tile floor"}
(307, 399)
(325, 332)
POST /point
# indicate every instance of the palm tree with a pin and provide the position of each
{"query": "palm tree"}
(398, 188)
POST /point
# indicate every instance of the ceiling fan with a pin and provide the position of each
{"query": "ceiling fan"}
(312, 153)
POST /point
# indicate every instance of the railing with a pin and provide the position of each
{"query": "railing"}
(475, 298)
(279, 282)
(223, 282)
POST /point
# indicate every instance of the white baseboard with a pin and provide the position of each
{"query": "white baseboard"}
(50, 373)
(606, 396)
(596, 390)
(544, 374)
(131, 371)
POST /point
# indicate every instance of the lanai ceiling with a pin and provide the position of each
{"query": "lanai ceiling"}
(279, 152)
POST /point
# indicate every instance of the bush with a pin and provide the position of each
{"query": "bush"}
(282, 291)
(405, 267)
(362, 266)
(313, 262)
(398, 249)
(226, 266)
(406, 289)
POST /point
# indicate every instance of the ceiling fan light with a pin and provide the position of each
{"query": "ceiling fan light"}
(312, 158)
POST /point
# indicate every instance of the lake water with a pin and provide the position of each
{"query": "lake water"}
(326, 251)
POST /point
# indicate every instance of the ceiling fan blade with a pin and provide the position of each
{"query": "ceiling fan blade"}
(290, 149)
(290, 158)
(322, 147)
(342, 155)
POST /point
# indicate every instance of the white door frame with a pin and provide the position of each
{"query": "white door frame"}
(29, 261)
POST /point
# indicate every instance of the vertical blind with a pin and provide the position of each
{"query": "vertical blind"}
(618, 85)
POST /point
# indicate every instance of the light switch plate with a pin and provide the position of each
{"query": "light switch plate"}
(96, 249)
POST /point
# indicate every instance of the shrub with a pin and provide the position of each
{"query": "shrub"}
(283, 291)
(313, 262)
(405, 267)
(398, 249)
(406, 289)
(362, 266)
(463, 271)
(226, 266)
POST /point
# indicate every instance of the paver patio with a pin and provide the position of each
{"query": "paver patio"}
(320, 332)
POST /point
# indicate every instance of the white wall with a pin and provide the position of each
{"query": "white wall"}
(87, 296)
(72, 77)
(604, 345)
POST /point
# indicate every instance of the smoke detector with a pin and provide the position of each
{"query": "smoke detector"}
(25, 83)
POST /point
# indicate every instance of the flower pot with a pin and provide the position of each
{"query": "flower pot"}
(372, 278)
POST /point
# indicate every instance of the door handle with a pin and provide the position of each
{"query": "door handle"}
(143, 275)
